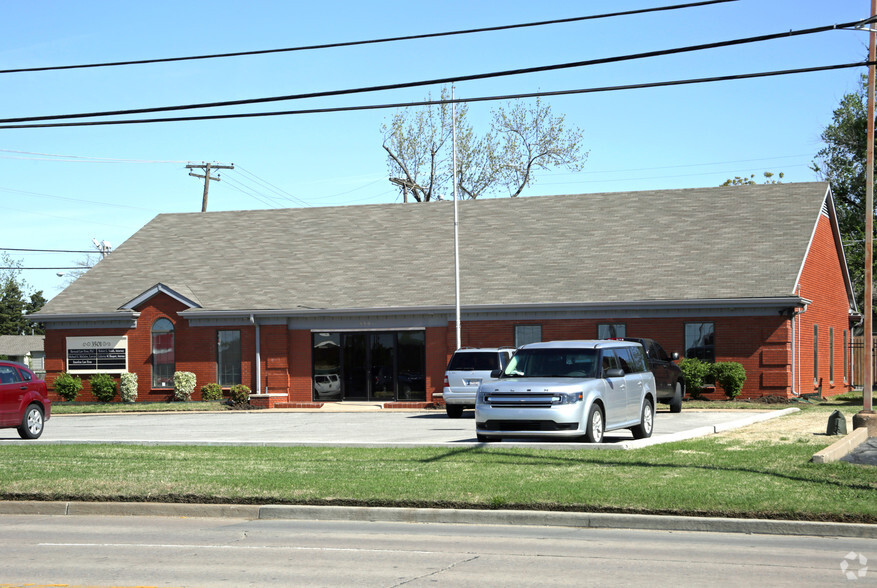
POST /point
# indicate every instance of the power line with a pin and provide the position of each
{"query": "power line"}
(44, 250)
(279, 191)
(640, 86)
(78, 158)
(369, 41)
(46, 268)
(445, 80)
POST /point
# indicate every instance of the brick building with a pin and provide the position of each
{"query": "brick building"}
(358, 302)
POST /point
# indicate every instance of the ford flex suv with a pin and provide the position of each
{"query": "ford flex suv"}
(569, 389)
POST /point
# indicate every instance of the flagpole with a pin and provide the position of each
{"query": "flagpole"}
(457, 217)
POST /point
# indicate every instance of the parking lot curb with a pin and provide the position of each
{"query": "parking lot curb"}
(841, 447)
(444, 516)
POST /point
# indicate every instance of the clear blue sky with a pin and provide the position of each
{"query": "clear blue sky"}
(681, 137)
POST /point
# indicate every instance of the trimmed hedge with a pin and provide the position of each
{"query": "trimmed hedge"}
(239, 394)
(128, 387)
(730, 375)
(184, 385)
(103, 386)
(68, 387)
(211, 391)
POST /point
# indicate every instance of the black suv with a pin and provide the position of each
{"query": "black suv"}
(668, 376)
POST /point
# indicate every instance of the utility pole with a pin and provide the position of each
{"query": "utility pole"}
(206, 177)
(867, 417)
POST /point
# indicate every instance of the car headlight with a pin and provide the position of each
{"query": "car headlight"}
(569, 397)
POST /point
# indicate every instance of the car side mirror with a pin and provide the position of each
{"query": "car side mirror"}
(495, 374)
(674, 356)
(614, 373)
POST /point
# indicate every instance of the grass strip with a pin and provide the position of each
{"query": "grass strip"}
(710, 477)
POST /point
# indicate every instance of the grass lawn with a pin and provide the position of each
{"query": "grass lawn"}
(745, 473)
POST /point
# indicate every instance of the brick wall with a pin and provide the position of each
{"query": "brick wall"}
(822, 282)
(741, 339)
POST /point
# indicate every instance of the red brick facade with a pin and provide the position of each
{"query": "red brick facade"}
(776, 349)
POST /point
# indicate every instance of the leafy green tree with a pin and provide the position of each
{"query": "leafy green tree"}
(750, 181)
(842, 163)
(522, 139)
(14, 304)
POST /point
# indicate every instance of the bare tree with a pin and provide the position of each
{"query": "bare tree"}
(415, 145)
(534, 139)
(523, 138)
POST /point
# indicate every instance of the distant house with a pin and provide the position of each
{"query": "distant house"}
(275, 298)
(26, 349)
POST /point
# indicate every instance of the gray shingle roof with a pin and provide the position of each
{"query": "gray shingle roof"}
(705, 243)
(19, 345)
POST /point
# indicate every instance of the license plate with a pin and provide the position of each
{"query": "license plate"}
(473, 382)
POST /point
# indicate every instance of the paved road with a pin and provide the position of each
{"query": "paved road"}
(163, 551)
(362, 428)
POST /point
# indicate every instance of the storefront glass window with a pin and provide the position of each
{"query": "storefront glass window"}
(385, 366)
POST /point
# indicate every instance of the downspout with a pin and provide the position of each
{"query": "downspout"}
(258, 355)
(793, 321)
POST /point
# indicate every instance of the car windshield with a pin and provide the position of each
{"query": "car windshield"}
(552, 363)
(468, 361)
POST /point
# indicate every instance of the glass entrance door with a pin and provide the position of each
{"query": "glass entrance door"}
(354, 366)
(382, 355)
(380, 366)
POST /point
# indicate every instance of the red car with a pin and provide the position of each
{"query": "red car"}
(24, 400)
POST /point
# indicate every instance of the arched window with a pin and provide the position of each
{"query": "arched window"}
(162, 354)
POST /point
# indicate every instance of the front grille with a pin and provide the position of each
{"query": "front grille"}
(527, 400)
(499, 425)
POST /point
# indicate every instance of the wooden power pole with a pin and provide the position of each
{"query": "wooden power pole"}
(206, 177)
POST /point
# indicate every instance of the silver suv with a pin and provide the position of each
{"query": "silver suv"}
(569, 389)
(466, 371)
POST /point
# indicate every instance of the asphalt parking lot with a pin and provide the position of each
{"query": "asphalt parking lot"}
(362, 427)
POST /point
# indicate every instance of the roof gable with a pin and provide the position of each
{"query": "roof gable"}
(160, 288)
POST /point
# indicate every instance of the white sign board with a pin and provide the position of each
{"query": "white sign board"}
(97, 355)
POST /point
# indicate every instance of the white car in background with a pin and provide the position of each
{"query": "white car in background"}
(469, 368)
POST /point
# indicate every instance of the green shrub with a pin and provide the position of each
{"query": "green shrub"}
(103, 386)
(239, 394)
(696, 374)
(184, 385)
(68, 387)
(211, 391)
(128, 387)
(730, 375)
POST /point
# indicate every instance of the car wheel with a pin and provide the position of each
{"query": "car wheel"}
(647, 422)
(594, 431)
(676, 403)
(32, 423)
(485, 438)
(454, 411)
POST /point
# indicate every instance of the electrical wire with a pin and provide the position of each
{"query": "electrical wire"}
(46, 250)
(369, 41)
(283, 194)
(78, 158)
(445, 80)
(439, 102)
(249, 192)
